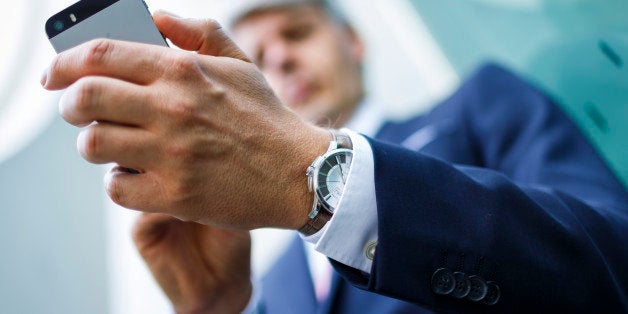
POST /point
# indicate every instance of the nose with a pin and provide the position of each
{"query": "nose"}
(279, 58)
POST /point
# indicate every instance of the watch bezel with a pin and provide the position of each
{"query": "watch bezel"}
(315, 174)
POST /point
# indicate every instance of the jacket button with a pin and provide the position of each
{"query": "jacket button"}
(493, 294)
(478, 288)
(443, 281)
(462, 286)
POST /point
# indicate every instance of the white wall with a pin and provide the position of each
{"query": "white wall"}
(52, 236)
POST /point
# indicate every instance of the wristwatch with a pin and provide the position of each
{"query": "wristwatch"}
(326, 178)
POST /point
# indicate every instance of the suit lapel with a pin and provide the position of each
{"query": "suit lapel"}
(288, 287)
(420, 138)
(397, 134)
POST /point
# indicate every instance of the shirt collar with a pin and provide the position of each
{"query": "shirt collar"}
(367, 119)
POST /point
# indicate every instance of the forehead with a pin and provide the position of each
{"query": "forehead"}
(276, 18)
(258, 28)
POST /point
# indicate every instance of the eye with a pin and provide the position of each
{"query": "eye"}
(298, 32)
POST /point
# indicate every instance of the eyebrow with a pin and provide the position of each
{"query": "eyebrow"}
(303, 12)
(295, 16)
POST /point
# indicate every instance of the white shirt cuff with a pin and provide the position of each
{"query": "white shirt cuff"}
(350, 236)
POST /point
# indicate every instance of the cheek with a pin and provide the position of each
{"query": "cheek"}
(330, 62)
(275, 83)
(319, 58)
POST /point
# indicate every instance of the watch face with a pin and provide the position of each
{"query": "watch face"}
(332, 176)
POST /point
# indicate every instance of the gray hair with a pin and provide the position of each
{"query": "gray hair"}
(250, 7)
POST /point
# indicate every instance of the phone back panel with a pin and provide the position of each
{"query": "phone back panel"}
(127, 20)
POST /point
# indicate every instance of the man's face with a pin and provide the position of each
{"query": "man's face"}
(310, 61)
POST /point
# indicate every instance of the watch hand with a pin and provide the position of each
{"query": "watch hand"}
(342, 175)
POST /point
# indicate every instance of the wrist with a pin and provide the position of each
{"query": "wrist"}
(314, 143)
(326, 178)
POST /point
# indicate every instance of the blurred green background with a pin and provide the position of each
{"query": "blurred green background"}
(574, 49)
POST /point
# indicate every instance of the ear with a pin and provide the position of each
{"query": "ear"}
(356, 45)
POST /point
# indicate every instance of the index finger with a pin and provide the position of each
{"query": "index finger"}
(128, 61)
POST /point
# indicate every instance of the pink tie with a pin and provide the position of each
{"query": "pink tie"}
(322, 283)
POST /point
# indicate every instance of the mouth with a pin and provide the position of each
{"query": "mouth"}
(125, 170)
(298, 93)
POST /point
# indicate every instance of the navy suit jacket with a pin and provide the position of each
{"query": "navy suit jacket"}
(508, 190)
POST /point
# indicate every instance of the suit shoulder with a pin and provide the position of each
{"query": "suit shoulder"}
(496, 92)
(493, 70)
(493, 96)
(494, 79)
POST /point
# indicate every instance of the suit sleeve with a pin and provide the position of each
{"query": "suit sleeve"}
(540, 215)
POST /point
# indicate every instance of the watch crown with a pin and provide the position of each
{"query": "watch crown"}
(310, 179)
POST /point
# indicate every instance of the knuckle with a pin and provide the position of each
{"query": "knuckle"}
(186, 63)
(66, 106)
(115, 191)
(211, 25)
(177, 150)
(184, 154)
(180, 194)
(86, 92)
(187, 67)
(98, 50)
(183, 112)
(77, 104)
(89, 144)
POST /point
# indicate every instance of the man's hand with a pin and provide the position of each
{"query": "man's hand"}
(204, 130)
(201, 269)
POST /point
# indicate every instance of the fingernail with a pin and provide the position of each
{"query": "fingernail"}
(44, 78)
(164, 12)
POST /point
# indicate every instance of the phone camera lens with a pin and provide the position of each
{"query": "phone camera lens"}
(58, 25)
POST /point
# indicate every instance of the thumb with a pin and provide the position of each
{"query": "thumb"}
(204, 36)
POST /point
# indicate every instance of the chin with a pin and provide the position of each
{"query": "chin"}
(323, 120)
(315, 112)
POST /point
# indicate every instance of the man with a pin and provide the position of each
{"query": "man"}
(504, 207)
(319, 76)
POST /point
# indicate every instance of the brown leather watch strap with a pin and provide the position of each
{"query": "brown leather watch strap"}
(317, 223)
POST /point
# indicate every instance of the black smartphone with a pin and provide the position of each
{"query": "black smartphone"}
(85, 20)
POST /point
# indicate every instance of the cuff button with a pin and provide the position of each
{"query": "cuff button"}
(478, 288)
(493, 294)
(369, 250)
(443, 281)
(462, 287)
